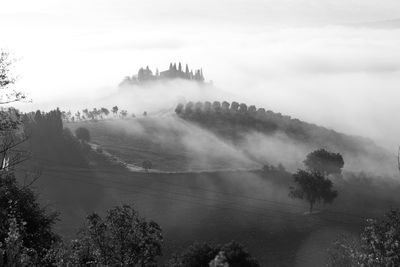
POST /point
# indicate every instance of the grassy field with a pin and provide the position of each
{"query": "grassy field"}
(251, 206)
(170, 144)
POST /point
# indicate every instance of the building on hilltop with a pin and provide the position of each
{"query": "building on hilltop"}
(173, 72)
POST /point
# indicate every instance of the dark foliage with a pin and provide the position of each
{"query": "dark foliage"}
(313, 187)
(122, 238)
(82, 134)
(49, 142)
(21, 204)
(380, 241)
(7, 95)
(378, 245)
(324, 162)
(200, 255)
(231, 120)
(343, 253)
(174, 72)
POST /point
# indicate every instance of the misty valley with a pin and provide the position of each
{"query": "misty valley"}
(276, 146)
(207, 173)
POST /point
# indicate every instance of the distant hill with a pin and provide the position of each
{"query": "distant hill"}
(232, 120)
(145, 75)
(380, 24)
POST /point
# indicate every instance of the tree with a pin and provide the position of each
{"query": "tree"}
(198, 107)
(10, 119)
(86, 112)
(115, 110)
(122, 238)
(179, 109)
(261, 113)
(220, 260)
(207, 107)
(187, 75)
(105, 111)
(199, 255)
(378, 244)
(243, 108)
(225, 106)
(147, 165)
(78, 116)
(124, 113)
(7, 95)
(216, 105)
(22, 219)
(82, 134)
(312, 187)
(252, 109)
(234, 106)
(26, 233)
(324, 162)
(189, 108)
(380, 241)
(196, 255)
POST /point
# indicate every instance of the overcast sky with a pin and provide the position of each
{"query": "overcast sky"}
(332, 62)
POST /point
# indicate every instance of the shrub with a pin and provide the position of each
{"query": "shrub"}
(82, 134)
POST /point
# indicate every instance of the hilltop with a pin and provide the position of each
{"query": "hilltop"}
(145, 75)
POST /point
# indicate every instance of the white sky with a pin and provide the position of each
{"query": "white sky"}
(305, 58)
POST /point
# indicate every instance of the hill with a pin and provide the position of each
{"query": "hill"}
(207, 185)
(146, 75)
(236, 122)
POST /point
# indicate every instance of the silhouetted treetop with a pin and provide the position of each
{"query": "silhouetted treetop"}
(324, 162)
(83, 134)
(173, 72)
(200, 255)
(313, 187)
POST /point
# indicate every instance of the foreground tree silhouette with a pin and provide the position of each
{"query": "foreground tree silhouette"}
(82, 134)
(324, 162)
(25, 227)
(26, 233)
(378, 245)
(312, 187)
(122, 238)
(7, 95)
(199, 255)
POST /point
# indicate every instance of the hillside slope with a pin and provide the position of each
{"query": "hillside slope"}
(242, 124)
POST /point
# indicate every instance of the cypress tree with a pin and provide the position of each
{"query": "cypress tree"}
(187, 75)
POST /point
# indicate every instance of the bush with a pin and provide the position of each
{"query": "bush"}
(122, 238)
(198, 255)
(324, 162)
(379, 245)
(82, 134)
(25, 227)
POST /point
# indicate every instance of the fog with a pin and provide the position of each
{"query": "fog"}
(183, 146)
(334, 64)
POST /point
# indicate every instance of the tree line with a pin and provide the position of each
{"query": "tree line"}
(224, 116)
(96, 114)
(174, 72)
